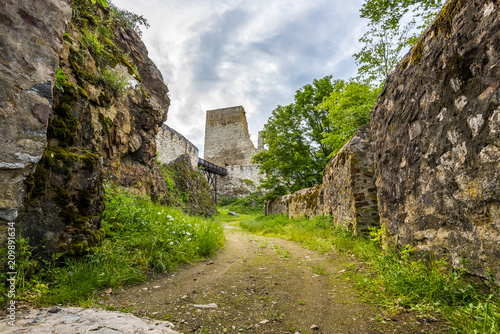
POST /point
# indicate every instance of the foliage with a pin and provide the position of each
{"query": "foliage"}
(404, 279)
(251, 204)
(113, 81)
(348, 108)
(295, 155)
(394, 26)
(188, 189)
(103, 3)
(141, 237)
(61, 79)
(132, 20)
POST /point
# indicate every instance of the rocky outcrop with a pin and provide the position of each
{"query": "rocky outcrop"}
(99, 124)
(436, 128)
(348, 193)
(31, 41)
(190, 188)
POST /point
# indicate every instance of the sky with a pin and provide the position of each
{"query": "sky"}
(254, 53)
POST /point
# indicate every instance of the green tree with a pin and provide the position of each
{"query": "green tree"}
(296, 155)
(348, 108)
(394, 25)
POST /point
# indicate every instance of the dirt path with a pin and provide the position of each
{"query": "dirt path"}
(263, 285)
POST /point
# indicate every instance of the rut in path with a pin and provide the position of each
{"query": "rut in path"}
(264, 285)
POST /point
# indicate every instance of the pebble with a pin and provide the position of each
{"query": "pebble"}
(263, 322)
(314, 327)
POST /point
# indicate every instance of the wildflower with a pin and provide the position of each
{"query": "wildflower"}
(171, 243)
(159, 212)
(189, 239)
(187, 233)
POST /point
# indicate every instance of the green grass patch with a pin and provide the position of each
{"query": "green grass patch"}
(142, 238)
(251, 205)
(397, 279)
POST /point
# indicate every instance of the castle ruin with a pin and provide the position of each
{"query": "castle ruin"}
(170, 145)
(228, 144)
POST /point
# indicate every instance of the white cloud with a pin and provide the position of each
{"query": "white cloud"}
(216, 54)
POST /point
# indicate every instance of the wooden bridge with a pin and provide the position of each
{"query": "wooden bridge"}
(211, 172)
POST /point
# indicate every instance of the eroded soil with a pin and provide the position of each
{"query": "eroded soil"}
(264, 285)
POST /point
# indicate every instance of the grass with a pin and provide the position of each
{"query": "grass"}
(250, 205)
(142, 238)
(396, 279)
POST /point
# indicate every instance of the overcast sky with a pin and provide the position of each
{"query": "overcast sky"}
(255, 53)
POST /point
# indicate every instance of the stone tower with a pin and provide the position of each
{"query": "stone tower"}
(227, 141)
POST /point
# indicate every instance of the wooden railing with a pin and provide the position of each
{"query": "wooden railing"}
(212, 168)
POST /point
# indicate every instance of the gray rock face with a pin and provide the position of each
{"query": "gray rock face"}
(31, 41)
(79, 320)
(100, 123)
(436, 129)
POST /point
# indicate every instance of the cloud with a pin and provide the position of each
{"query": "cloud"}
(216, 54)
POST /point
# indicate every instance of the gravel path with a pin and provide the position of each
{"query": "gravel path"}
(254, 285)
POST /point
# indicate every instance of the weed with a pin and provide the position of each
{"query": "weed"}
(284, 253)
(318, 270)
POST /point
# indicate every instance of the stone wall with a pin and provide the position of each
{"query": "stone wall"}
(436, 129)
(228, 144)
(227, 140)
(170, 145)
(240, 181)
(348, 193)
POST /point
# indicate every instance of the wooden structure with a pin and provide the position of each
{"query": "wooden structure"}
(211, 172)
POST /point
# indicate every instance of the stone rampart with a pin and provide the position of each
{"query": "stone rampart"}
(348, 192)
(240, 181)
(170, 145)
(436, 132)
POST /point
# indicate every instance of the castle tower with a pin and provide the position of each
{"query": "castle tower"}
(227, 141)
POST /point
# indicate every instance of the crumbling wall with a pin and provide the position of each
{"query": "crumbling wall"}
(170, 145)
(436, 128)
(240, 181)
(348, 193)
